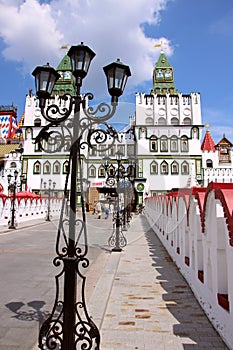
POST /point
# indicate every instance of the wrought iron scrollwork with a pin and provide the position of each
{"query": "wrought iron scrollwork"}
(113, 239)
(89, 130)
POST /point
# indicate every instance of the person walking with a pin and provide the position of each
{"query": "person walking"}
(94, 209)
(98, 210)
(106, 213)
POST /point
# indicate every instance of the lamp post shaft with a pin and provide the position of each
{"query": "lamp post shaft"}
(124, 211)
(12, 224)
(117, 247)
(48, 214)
(69, 319)
(70, 262)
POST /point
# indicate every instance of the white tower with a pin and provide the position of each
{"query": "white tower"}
(168, 130)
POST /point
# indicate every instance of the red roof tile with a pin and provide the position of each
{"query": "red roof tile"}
(208, 143)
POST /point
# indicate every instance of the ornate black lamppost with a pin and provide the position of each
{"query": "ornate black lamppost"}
(114, 176)
(49, 190)
(12, 185)
(70, 327)
(126, 187)
(129, 177)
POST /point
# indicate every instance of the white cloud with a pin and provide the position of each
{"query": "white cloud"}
(112, 28)
(31, 34)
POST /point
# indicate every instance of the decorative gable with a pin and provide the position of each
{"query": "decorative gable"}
(224, 150)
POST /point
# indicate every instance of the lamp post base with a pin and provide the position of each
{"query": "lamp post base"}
(116, 249)
(12, 227)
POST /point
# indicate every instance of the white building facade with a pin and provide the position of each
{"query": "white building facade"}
(168, 128)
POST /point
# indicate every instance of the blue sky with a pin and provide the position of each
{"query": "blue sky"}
(197, 36)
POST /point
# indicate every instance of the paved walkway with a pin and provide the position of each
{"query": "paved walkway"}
(149, 304)
(139, 300)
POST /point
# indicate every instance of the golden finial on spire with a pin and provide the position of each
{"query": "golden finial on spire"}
(65, 47)
(161, 45)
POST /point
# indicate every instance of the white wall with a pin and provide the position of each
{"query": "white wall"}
(198, 234)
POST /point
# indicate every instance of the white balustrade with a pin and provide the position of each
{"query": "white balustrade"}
(28, 209)
(197, 231)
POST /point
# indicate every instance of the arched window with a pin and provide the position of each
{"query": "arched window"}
(154, 168)
(93, 151)
(209, 163)
(47, 168)
(57, 143)
(184, 144)
(174, 121)
(121, 148)
(174, 144)
(28, 133)
(184, 168)
(92, 171)
(37, 147)
(56, 168)
(101, 171)
(164, 168)
(112, 151)
(163, 144)
(48, 144)
(102, 150)
(37, 168)
(65, 168)
(111, 170)
(37, 122)
(149, 121)
(162, 121)
(175, 168)
(195, 133)
(187, 121)
(67, 143)
(153, 144)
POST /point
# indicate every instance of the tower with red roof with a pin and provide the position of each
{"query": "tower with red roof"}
(216, 160)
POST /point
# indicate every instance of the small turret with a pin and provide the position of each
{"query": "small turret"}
(208, 143)
(65, 84)
(163, 77)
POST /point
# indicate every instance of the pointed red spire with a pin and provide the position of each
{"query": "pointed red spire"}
(208, 143)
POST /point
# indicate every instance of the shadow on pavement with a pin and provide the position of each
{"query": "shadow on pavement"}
(32, 311)
(192, 324)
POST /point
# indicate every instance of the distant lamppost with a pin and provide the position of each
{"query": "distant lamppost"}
(12, 185)
(129, 177)
(49, 190)
(117, 239)
(70, 327)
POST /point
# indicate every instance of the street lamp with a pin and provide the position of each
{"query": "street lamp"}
(49, 190)
(117, 239)
(70, 327)
(129, 177)
(12, 185)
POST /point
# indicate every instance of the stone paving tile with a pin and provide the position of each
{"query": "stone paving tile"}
(151, 306)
